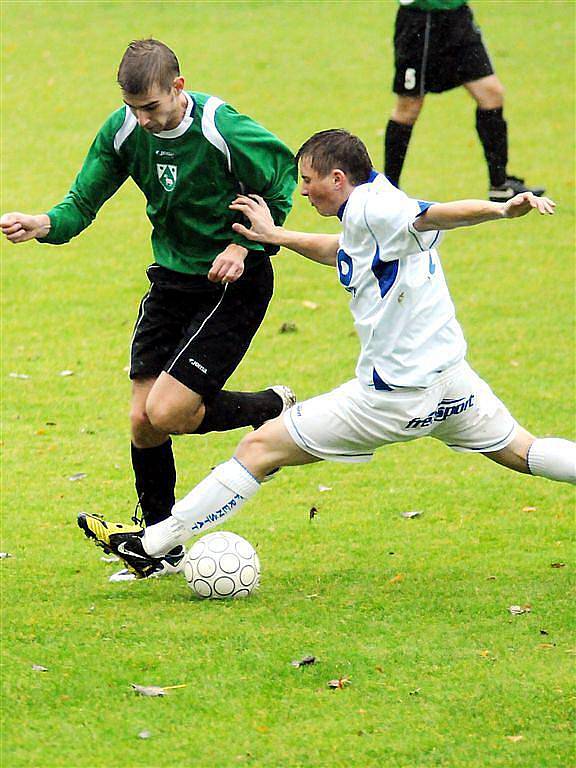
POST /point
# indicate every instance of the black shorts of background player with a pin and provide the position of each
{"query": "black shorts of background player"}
(437, 47)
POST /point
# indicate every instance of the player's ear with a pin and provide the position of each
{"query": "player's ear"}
(339, 178)
(178, 83)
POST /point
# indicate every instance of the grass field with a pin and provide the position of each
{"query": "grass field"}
(415, 612)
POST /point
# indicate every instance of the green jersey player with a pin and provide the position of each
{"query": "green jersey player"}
(437, 47)
(190, 154)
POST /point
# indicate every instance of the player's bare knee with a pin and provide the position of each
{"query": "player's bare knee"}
(255, 451)
(490, 95)
(406, 110)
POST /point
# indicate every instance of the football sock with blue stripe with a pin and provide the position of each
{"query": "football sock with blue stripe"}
(210, 503)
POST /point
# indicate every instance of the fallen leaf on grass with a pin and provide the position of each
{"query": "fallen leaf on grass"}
(309, 304)
(411, 513)
(528, 509)
(288, 328)
(305, 662)
(341, 682)
(66, 373)
(18, 375)
(148, 690)
(557, 565)
(4, 555)
(77, 476)
(514, 739)
(544, 632)
(324, 488)
(39, 668)
(518, 610)
(396, 579)
(313, 512)
(144, 735)
(546, 646)
(415, 692)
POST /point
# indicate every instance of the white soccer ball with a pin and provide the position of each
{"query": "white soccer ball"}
(221, 565)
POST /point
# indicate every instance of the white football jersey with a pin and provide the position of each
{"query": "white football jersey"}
(402, 309)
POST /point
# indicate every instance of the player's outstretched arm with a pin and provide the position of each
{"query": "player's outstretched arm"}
(320, 248)
(466, 213)
(20, 227)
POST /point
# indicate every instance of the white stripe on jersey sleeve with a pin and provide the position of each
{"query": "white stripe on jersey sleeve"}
(128, 126)
(211, 132)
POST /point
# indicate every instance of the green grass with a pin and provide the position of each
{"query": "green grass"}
(441, 673)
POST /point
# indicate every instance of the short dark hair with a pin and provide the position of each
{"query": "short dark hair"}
(336, 148)
(147, 63)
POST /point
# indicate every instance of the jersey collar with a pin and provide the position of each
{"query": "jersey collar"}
(187, 120)
(373, 175)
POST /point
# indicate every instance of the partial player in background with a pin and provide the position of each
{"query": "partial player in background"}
(437, 47)
(412, 379)
(190, 154)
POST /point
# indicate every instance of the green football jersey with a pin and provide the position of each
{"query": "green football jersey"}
(189, 176)
(433, 5)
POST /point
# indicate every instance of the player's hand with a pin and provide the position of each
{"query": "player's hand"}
(228, 266)
(521, 204)
(20, 227)
(255, 209)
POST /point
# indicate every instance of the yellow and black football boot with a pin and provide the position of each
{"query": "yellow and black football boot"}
(125, 541)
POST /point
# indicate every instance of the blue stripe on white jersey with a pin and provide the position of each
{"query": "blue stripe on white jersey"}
(402, 309)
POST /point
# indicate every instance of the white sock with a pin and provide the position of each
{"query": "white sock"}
(210, 503)
(554, 458)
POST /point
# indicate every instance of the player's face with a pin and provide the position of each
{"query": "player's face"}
(158, 109)
(323, 192)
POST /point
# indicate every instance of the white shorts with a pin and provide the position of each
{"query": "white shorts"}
(351, 421)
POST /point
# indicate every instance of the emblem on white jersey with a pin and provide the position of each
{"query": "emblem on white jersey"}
(167, 175)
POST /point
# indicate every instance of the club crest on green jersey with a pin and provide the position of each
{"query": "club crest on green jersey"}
(167, 175)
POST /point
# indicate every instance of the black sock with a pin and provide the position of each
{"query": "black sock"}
(395, 147)
(493, 133)
(155, 476)
(230, 410)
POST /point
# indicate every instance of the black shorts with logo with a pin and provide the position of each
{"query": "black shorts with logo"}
(196, 330)
(435, 51)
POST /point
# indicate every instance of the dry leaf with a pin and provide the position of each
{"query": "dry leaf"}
(305, 662)
(144, 735)
(77, 476)
(288, 328)
(396, 579)
(341, 682)
(324, 488)
(518, 610)
(313, 512)
(415, 692)
(528, 509)
(18, 375)
(39, 668)
(485, 654)
(4, 555)
(544, 632)
(66, 373)
(519, 737)
(546, 646)
(514, 363)
(410, 514)
(557, 565)
(310, 304)
(148, 690)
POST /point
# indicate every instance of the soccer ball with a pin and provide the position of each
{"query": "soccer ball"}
(220, 565)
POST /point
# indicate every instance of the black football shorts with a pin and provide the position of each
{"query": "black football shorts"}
(435, 51)
(196, 330)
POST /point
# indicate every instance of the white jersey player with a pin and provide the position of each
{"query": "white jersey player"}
(412, 379)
